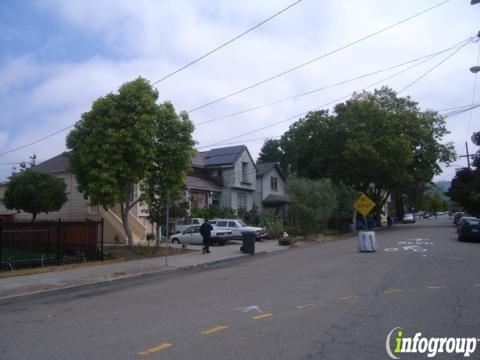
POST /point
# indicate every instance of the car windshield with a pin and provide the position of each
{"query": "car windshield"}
(241, 223)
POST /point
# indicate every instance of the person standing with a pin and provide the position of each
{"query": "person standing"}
(206, 231)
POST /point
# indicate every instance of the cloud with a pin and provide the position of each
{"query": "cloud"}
(152, 38)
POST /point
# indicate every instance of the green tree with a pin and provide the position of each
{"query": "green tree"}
(375, 142)
(465, 186)
(173, 152)
(312, 203)
(270, 152)
(465, 190)
(113, 147)
(34, 192)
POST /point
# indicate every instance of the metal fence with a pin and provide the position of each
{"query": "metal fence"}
(25, 244)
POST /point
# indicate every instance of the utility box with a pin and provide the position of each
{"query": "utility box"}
(248, 243)
(367, 241)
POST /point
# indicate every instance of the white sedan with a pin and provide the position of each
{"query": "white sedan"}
(192, 236)
(237, 227)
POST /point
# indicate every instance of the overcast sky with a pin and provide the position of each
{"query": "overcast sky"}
(59, 56)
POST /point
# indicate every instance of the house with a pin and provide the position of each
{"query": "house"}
(226, 177)
(223, 176)
(77, 206)
(270, 195)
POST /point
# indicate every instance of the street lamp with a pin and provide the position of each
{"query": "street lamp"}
(475, 69)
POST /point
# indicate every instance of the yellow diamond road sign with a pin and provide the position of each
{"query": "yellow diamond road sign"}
(364, 205)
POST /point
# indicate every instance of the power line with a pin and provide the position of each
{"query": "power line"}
(345, 46)
(318, 58)
(433, 68)
(456, 107)
(226, 43)
(474, 92)
(317, 108)
(258, 107)
(37, 141)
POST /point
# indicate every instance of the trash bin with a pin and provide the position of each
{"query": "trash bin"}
(367, 241)
(248, 243)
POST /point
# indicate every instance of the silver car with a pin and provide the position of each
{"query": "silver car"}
(408, 218)
(237, 227)
(192, 236)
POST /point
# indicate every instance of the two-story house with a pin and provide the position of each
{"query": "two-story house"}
(224, 176)
(271, 193)
(77, 206)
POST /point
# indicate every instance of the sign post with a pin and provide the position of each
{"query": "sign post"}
(364, 205)
(366, 239)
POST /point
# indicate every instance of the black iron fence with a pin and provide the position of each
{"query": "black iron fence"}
(25, 244)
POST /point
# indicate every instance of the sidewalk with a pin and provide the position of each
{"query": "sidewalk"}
(44, 282)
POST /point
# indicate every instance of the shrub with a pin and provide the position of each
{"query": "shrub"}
(272, 225)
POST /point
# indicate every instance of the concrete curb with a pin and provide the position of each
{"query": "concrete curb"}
(111, 281)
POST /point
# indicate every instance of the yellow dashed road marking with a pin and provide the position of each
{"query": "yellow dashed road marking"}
(348, 297)
(392, 291)
(214, 330)
(262, 316)
(437, 287)
(304, 306)
(163, 346)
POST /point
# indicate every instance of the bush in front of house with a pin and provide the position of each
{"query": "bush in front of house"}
(272, 225)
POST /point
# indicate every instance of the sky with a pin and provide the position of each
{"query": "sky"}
(57, 57)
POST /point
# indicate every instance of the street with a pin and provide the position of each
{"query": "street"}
(314, 301)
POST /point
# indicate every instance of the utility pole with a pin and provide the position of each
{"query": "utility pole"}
(468, 156)
(167, 243)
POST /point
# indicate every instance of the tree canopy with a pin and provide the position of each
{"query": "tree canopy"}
(375, 142)
(34, 192)
(173, 159)
(465, 186)
(122, 142)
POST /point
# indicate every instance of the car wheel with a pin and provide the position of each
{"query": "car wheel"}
(175, 241)
(221, 242)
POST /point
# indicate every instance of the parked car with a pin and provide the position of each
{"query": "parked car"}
(458, 215)
(468, 228)
(408, 218)
(192, 236)
(238, 226)
(183, 224)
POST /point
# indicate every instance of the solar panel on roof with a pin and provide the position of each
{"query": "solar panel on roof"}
(222, 156)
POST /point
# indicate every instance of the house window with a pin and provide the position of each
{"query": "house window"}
(274, 183)
(244, 171)
(242, 200)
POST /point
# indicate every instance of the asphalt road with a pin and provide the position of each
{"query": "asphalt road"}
(318, 301)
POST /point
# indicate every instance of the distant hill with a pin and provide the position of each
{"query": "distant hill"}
(444, 185)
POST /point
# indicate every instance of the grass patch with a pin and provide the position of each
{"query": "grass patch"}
(140, 252)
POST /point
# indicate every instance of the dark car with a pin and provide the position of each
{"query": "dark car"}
(458, 215)
(468, 229)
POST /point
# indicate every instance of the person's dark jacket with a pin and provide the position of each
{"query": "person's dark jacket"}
(206, 230)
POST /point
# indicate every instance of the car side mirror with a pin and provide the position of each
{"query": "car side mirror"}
(178, 232)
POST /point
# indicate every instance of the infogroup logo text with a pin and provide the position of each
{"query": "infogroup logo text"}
(430, 346)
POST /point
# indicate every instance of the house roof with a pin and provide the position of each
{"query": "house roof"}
(264, 168)
(200, 159)
(59, 163)
(223, 156)
(193, 182)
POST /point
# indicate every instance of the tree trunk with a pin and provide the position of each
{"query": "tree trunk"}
(157, 234)
(126, 225)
